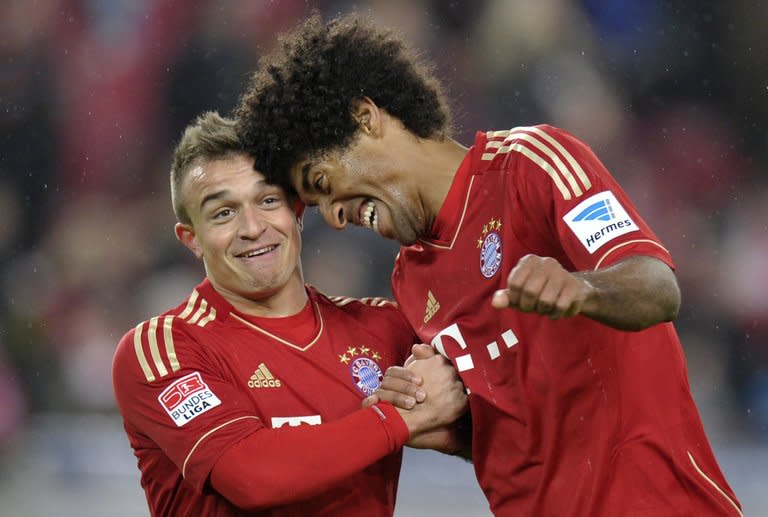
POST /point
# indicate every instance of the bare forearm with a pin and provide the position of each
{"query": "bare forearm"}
(634, 294)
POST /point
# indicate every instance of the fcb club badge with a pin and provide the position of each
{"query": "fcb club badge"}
(490, 248)
(366, 372)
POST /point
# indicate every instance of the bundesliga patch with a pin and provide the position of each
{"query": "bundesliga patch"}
(598, 220)
(187, 398)
(366, 374)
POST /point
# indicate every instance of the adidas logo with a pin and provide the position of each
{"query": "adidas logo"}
(432, 306)
(600, 211)
(263, 378)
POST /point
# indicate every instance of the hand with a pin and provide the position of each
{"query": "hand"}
(445, 398)
(542, 285)
(401, 387)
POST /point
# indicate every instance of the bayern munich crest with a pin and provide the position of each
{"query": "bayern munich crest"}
(490, 249)
(366, 372)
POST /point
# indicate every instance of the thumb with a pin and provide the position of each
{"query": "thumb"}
(422, 351)
(500, 299)
(369, 401)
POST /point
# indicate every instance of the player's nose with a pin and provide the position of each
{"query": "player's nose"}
(252, 224)
(334, 214)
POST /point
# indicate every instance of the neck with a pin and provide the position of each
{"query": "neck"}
(437, 164)
(290, 299)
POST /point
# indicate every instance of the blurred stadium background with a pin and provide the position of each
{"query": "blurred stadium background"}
(94, 93)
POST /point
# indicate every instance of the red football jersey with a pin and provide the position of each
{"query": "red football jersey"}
(194, 381)
(570, 417)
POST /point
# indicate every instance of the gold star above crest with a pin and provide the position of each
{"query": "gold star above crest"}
(375, 356)
(493, 224)
(364, 350)
(352, 351)
(344, 359)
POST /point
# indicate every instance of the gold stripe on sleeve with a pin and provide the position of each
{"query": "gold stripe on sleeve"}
(190, 305)
(200, 311)
(210, 317)
(499, 134)
(170, 349)
(602, 259)
(568, 157)
(140, 353)
(206, 435)
(552, 156)
(546, 167)
(153, 348)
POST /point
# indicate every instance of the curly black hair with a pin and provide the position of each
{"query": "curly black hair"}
(299, 102)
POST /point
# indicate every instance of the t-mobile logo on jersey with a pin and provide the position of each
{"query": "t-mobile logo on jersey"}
(296, 421)
(464, 362)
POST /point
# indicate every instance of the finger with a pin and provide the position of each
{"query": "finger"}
(406, 388)
(518, 277)
(422, 351)
(530, 292)
(371, 400)
(396, 398)
(405, 374)
(550, 293)
(569, 301)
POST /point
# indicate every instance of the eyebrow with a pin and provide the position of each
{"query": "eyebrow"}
(213, 196)
(305, 177)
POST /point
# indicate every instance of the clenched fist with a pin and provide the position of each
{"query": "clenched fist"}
(542, 285)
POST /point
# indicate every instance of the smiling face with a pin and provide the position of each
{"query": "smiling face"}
(364, 185)
(244, 230)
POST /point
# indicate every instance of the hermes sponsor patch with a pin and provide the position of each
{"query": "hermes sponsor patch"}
(187, 398)
(598, 220)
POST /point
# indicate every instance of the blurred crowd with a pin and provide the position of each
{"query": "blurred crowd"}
(673, 96)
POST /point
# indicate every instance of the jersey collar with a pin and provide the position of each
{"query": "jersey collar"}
(447, 224)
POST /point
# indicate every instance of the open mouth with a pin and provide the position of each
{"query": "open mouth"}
(258, 252)
(368, 215)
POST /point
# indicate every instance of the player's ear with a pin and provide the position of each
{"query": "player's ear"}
(368, 116)
(186, 235)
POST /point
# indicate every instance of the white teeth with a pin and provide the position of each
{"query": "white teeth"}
(260, 251)
(370, 218)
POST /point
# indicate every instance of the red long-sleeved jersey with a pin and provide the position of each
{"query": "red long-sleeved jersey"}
(203, 377)
(570, 417)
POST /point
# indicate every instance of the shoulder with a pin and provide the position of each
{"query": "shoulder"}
(540, 141)
(367, 311)
(160, 345)
(543, 154)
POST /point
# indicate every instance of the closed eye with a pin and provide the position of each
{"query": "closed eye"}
(318, 183)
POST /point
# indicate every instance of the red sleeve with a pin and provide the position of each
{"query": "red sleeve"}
(279, 466)
(574, 206)
(170, 390)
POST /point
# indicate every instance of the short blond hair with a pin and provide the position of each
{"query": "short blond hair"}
(210, 137)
